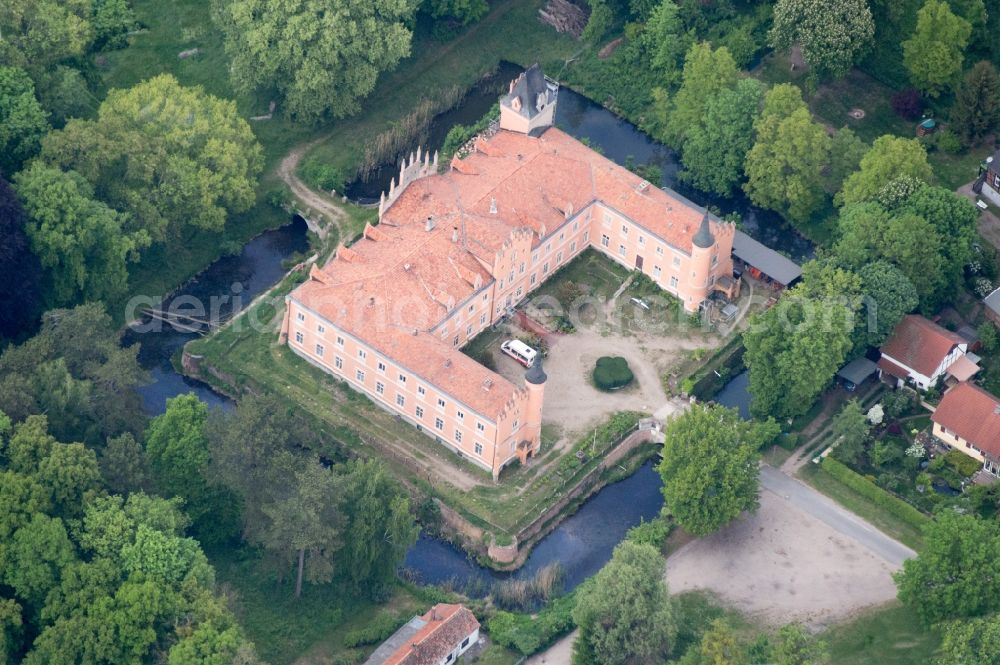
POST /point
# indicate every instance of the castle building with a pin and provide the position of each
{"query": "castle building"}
(454, 250)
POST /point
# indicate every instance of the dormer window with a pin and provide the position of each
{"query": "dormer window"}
(516, 103)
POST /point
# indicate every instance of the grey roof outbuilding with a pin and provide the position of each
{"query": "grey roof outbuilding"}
(779, 268)
(857, 371)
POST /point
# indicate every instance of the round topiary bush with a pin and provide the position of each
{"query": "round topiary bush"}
(612, 373)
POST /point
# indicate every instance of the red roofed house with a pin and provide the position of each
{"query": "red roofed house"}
(920, 352)
(454, 251)
(968, 419)
(438, 637)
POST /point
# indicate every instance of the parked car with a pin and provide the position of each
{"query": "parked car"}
(519, 351)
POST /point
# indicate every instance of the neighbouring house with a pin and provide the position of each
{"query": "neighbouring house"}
(438, 637)
(968, 419)
(856, 372)
(454, 251)
(763, 263)
(992, 309)
(988, 184)
(921, 352)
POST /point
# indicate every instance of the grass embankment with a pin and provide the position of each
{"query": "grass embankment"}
(889, 636)
(510, 31)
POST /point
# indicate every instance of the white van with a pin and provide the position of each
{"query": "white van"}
(519, 351)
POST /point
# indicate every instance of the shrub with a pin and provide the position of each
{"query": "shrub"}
(876, 494)
(907, 104)
(962, 463)
(948, 142)
(988, 336)
(528, 634)
(322, 176)
(653, 532)
(612, 373)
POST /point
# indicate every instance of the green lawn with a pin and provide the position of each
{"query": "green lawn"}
(285, 628)
(889, 636)
(882, 519)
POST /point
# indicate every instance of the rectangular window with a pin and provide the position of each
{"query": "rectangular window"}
(362, 354)
(460, 415)
(673, 282)
(642, 241)
(534, 258)
(572, 247)
(300, 316)
(607, 218)
(454, 342)
(656, 271)
(402, 379)
(576, 225)
(381, 366)
(715, 260)
(659, 251)
(468, 330)
(458, 436)
(421, 390)
(677, 262)
(360, 376)
(624, 230)
(440, 403)
(482, 320)
(562, 236)
(545, 267)
(519, 291)
(339, 362)
(472, 308)
(340, 341)
(586, 236)
(420, 412)
(532, 280)
(298, 337)
(321, 329)
(559, 257)
(400, 400)
(380, 387)
(319, 350)
(520, 269)
(605, 240)
(479, 448)
(481, 427)
(622, 250)
(438, 423)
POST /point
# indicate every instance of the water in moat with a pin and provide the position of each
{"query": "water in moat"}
(583, 543)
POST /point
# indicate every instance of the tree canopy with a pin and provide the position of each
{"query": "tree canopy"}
(833, 35)
(23, 122)
(624, 613)
(706, 73)
(976, 112)
(934, 54)
(40, 33)
(320, 56)
(709, 467)
(890, 158)
(971, 641)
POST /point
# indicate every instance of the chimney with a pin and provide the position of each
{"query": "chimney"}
(429, 226)
(454, 234)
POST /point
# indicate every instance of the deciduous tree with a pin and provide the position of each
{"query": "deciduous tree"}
(706, 73)
(709, 467)
(322, 56)
(717, 146)
(933, 55)
(971, 641)
(952, 576)
(39, 33)
(890, 158)
(624, 613)
(662, 39)
(846, 151)
(463, 11)
(850, 431)
(22, 120)
(888, 296)
(833, 35)
(795, 646)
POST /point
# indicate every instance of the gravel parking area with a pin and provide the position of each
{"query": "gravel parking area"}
(783, 564)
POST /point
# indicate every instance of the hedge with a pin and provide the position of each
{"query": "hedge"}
(876, 494)
(612, 373)
(529, 634)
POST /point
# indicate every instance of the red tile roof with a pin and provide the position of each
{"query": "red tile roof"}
(892, 368)
(447, 625)
(973, 414)
(920, 344)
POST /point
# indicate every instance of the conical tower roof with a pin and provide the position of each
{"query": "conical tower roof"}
(704, 238)
(535, 373)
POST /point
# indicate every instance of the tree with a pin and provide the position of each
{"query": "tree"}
(19, 269)
(463, 11)
(662, 38)
(846, 151)
(624, 613)
(709, 466)
(719, 646)
(933, 55)
(11, 629)
(78, 239)
(599, 22)
(794, 349)
(706, 73)
(123, 465)
(34, 558)
(112, 20)
(795, 646)
(850, 431)
(971, 642)
(717, 146)
(976, 112)
(212, 645)
(953, 576)
(888, 296)
(22, 120)
(890, 158)
(833, 35)
(70, 472)
(39, 33)
(171, 157)
(784, 167)
(322, 56)
(178, 452)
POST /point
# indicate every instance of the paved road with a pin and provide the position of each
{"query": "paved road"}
(826, 510)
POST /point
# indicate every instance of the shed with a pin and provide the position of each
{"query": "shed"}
(764, 260)
(856, 372)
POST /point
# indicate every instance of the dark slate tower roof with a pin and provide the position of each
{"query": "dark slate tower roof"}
(704, 238)
(535, 373)
(528, 87)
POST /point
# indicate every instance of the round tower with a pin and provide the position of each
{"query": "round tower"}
(534, 382)
(702, 248)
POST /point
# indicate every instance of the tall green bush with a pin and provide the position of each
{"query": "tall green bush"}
(612, 373)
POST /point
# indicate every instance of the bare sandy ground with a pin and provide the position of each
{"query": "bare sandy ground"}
(782, 565)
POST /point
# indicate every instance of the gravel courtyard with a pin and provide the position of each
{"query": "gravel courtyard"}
(783, 564)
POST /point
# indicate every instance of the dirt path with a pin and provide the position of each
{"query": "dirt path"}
(310, 200)
(560, 653)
